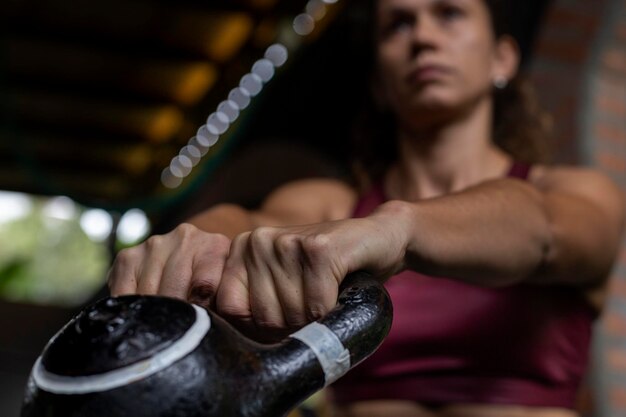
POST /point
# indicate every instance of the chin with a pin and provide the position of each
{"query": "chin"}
(429, 96)
(429, 114)
(433, 106)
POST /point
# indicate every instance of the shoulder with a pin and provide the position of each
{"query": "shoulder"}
(588, 193)
(579, 181)
(309, 201)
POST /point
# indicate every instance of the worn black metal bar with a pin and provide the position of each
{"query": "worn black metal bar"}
(226, 375)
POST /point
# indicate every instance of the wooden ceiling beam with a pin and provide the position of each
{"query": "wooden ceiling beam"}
(151, 123)
(215, 35)
(130, 159)
(183, 82)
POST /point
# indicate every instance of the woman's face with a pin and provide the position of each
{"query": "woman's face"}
(436, 56)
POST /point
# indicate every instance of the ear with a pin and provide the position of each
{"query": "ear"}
(506, 59)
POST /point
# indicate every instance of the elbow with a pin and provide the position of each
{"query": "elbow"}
(564, 259)
(546, 254)
(545, 250)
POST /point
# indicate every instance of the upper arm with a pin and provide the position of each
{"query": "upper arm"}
(585, 211)
(305, 202)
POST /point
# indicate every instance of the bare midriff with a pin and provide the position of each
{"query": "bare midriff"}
(410, 409)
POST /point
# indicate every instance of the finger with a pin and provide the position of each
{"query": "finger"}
(320, 293)
(320, 276)
(232, 302)
(233, 298)
(287, 273)
(265, 304)
(204, 284)
(176, 276)
(207, 271)
(152, 265)
(122, 277)
(179, 246)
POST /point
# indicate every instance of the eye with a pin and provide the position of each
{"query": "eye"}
(450, 12)
(396, 24)
(399, 24)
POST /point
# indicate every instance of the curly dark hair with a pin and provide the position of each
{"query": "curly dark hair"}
(520, 126)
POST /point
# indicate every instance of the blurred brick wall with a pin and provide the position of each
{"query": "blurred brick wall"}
(580, 72)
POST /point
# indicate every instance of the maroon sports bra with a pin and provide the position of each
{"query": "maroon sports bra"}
(452, 342)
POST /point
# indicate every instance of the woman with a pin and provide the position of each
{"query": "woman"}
(525, 250)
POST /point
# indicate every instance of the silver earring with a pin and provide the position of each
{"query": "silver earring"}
(500, 83)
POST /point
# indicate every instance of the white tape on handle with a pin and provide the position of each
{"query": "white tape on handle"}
(330, 352)
(68, 385)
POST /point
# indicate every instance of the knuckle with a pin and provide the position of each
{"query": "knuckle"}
(231, 307)
(241, 239)
(124, 257)
(260, 242)
(268, 316)
(260, 236)
(203, 290)
(294, 313)
(269, 323)
(206, 283)
(316, 245)
(296, 319)
(315, 311)
(154, 242)
(286, 244)
(185, 230)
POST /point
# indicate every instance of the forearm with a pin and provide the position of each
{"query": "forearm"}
(497, 233)
(227, 219)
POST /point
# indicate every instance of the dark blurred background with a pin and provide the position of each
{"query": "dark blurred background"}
(97, 97)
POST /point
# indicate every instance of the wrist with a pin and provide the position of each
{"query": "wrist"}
(398, 221)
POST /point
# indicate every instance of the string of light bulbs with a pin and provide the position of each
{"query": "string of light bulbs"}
(240, 97)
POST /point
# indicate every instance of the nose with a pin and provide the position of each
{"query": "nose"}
(425, 35)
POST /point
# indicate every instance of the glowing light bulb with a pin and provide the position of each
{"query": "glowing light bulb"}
(316, 8)
(230, 109)
(181, 164)
(177, 170)
(205, 137)
(240, 96)
(169, 180)
(62, 208)
(264, 69)
(196, 144)
(252, 83)
(97, 224)
(134, 226)
(277, 54)
(193, 153)
(217, 123)
(303, 24)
